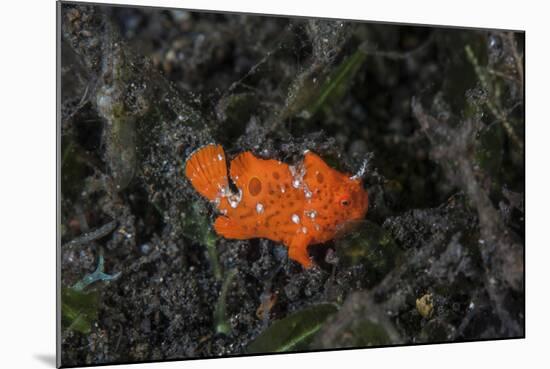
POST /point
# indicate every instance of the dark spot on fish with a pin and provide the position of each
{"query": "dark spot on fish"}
(268, 218)
(320, 177)
(254, 186)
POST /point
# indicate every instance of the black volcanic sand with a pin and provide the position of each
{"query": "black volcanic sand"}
(437, 113)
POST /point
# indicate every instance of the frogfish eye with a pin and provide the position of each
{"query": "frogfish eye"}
(345, 202)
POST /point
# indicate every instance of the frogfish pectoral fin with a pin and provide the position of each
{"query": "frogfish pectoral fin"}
(297, 250)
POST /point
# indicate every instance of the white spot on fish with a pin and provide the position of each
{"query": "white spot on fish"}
(235, 199)
(295, 218)
(282, 189)
(220, 157)
(310, 213)
(259, 208)
(297, 175)
(304, 230)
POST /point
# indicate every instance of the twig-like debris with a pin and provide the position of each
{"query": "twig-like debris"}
(100, 232)
(518, 60)
(397, 55)
(493, 108)
(500, 253)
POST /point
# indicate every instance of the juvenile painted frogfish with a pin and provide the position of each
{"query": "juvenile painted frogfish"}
(298, 205)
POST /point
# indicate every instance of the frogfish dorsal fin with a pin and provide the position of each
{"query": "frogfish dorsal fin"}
(206, 169)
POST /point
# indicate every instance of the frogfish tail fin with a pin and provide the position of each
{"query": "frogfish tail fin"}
(206, 169)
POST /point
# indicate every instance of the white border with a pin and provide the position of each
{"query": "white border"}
(27, 154)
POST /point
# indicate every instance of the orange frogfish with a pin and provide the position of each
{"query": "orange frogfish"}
(298, 205)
